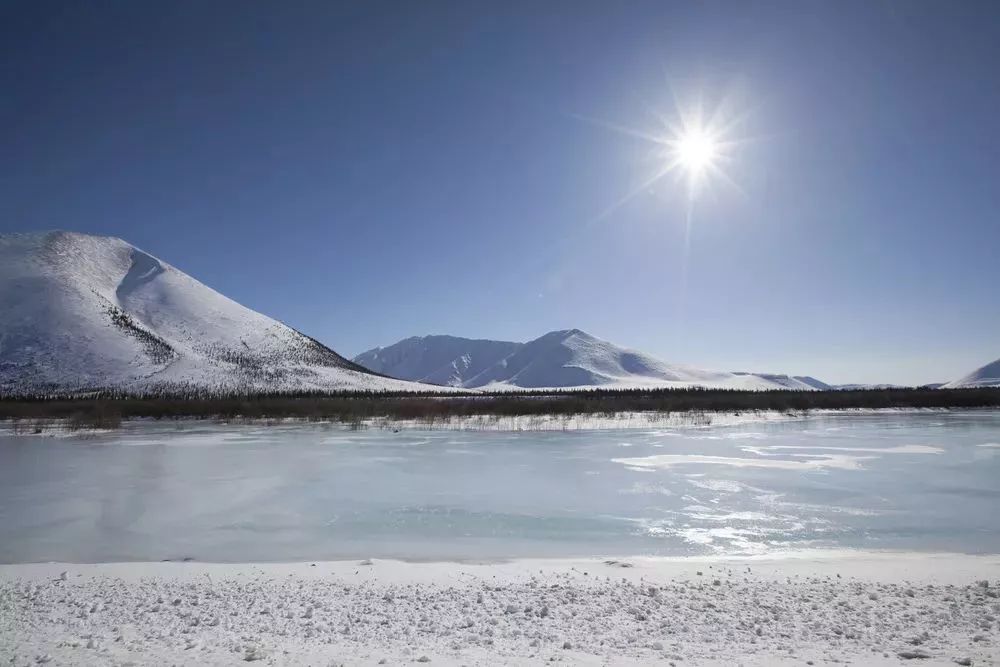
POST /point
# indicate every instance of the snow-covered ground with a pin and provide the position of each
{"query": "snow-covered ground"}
(557, 360)
(207, 487)
(584, 422)
(631, 420)
(812, 609)
(80, 312)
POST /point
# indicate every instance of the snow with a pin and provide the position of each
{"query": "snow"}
(866, 387)
(793, 382)
(559, 359)
(987, 376)
(444, 360)
(81, 312)
(869, 608)
(636, 421)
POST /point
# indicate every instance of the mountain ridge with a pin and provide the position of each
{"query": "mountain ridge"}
(984, 376)
(81, 312)
(564, 358)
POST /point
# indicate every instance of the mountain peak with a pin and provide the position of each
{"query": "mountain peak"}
(42, 236)
(82, 312)
(563, 334)
(561, 358)
(984, 376)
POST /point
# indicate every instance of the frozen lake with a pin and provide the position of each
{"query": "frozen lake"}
(173, 490)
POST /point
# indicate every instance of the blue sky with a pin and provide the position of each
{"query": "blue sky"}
(371, 171)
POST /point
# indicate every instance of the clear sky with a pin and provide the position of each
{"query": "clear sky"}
(371, 171)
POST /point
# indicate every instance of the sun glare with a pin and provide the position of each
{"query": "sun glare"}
(692, 145)
(695, 151)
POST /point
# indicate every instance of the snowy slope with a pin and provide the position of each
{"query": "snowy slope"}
(987, 376)
(796, 382)
(445, 360)
(812, 382)
(570, 358)
(84, 312)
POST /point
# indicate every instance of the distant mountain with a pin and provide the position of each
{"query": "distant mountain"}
(987, 376)
(444, 360)
(569, 358)
(81, 312)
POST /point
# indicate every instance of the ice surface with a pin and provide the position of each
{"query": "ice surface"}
(155, 490)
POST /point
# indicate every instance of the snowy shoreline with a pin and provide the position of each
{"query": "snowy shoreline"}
(866, 607)
(581, 422)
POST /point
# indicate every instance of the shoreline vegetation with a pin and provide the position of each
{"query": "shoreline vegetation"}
(107, 410)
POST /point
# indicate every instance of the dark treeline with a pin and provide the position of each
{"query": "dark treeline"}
(106, 409)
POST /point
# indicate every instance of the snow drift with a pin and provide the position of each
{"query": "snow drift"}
(81, 312)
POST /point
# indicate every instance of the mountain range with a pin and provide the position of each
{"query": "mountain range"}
(82, 313)
(559, 359)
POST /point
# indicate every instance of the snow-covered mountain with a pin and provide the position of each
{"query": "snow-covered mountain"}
(796, 382)
(444, 360)
(81, 312)
(570, 358)
(987, 376)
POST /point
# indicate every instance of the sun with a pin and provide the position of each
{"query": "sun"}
(693, 145)
(695, 151)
